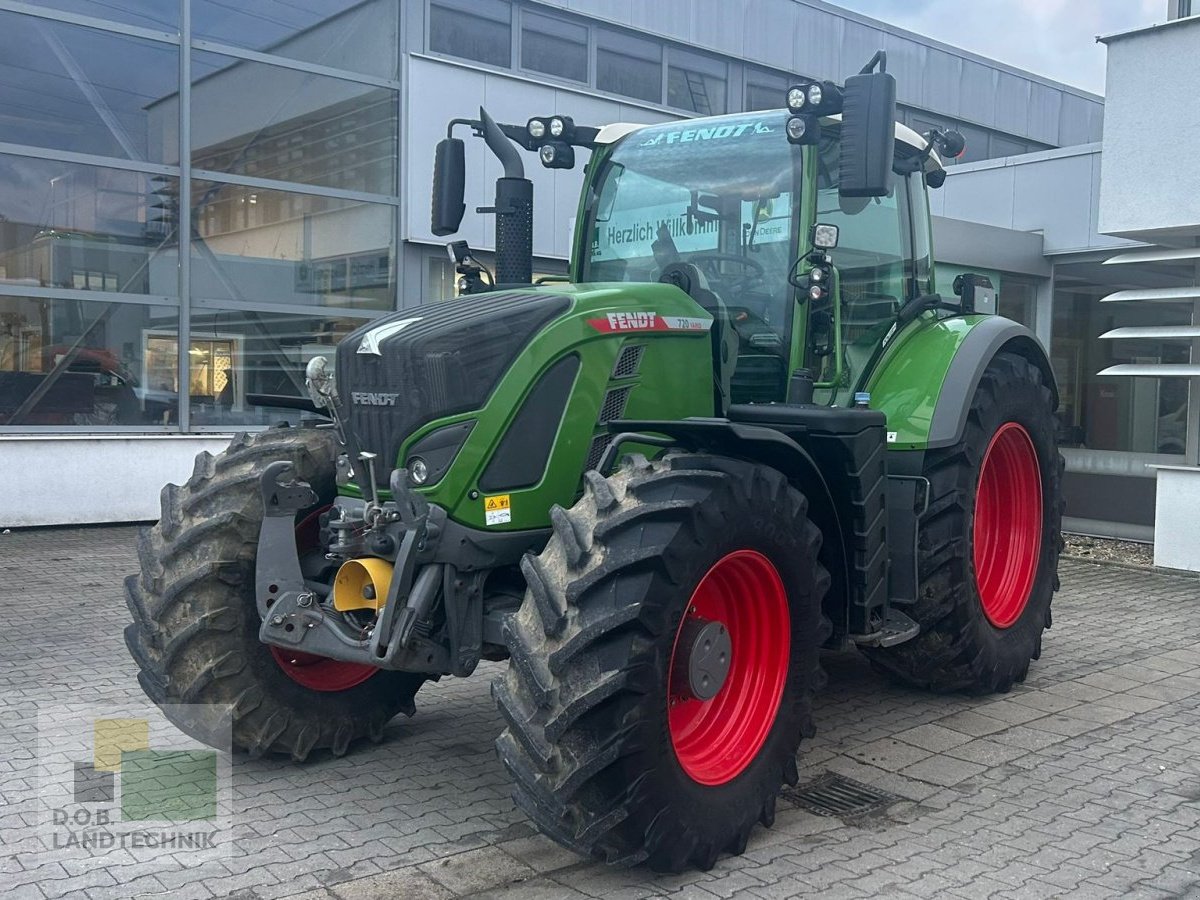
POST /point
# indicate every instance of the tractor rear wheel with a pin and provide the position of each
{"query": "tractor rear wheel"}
(663, 663)
(988, 544)
(195, 624)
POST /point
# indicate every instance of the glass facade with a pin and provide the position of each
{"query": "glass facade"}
(289, 176)
(1140, 415)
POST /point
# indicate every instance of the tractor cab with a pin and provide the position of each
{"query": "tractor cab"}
(725, 208)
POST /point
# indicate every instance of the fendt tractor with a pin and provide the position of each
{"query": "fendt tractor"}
(745, 428)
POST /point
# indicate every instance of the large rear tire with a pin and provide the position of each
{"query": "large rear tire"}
(195, 624)
(614, 746)
(988, 544)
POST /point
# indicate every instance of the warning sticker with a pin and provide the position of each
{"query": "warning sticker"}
(497, 510)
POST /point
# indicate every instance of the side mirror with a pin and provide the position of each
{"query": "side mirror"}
(449, 184)
(951, 144)
(868, 135)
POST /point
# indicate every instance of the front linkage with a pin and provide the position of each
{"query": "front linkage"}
(296, 616)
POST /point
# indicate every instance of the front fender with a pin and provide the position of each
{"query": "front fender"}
(925, 381)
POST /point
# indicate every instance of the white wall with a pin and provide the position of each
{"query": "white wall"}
(823, 40)
(77, 479)
(1055, 192)
(1151, 183)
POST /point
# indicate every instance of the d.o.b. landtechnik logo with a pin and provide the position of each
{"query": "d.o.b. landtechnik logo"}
(128, 780)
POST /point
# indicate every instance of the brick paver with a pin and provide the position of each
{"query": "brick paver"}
(1084, 781)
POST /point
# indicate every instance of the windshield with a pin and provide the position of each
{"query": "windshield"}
(719, 193)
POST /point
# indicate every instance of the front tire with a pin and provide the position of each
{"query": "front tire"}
(615, 749)
(988, 544)
(195, 624)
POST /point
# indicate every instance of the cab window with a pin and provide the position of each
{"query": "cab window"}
(874, 256)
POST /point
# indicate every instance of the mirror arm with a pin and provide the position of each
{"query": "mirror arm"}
(474, 124)
(880, 57)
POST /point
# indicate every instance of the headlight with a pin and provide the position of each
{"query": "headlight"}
(815, 293)
(796, 99)
(815, 95)
(418, 471)
(824, 237)
(536, 129)
(796, 126)
(318, 378)
(816, 275)
(557, 127)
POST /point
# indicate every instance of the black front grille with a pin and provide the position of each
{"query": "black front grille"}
(446, 360)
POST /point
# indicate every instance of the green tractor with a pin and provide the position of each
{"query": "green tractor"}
(746, 428)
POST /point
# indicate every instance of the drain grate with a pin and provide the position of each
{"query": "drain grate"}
(838, 796)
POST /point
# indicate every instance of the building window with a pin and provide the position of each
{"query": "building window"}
(74, 362)
(472, 29)
(1002, 145)
(289, 125)
(240, 359)
(269, 246)
(1017, 300)
(554, 47)
(629, 66)
(765, 90)
(696, 83)
(87, 91)
(356, 36)
(88, 228)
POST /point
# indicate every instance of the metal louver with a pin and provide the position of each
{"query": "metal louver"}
(1187, 333)
(1156, 332)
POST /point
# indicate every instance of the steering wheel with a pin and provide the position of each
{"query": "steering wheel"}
(708, 264)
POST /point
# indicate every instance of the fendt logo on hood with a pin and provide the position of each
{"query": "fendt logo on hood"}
(373, 398)
(637, 320)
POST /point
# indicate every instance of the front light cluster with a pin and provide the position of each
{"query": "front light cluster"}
(807, 103)
(551, 137)
(818, 278)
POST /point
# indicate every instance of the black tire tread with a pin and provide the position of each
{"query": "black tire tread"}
(191, 602)
(946, 656)
(567, 712)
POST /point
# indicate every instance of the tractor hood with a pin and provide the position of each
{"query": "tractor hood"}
(511, 391)
(399, 372)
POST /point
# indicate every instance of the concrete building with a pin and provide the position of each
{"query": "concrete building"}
(300, 139)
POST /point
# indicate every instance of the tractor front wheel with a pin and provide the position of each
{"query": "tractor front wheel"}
(195, 624)
(663, 663)
(988, 544)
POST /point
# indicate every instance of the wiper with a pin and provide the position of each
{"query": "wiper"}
(759, 205)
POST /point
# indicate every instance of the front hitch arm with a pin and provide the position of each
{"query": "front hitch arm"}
(293, 616)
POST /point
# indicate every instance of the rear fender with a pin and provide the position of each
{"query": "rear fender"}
(927, 379)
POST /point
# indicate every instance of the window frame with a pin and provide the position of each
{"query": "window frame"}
(589, 46)
(661, 46)
(453, 6)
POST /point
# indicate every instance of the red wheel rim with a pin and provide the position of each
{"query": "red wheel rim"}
(714, 740)
(317, 673)
(1007, 534)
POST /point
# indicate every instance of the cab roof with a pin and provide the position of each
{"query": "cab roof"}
(610, 134)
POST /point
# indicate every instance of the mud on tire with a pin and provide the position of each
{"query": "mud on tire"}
(958, 648)
(195, 624)
(586, 694)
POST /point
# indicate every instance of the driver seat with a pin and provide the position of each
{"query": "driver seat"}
(689, 279)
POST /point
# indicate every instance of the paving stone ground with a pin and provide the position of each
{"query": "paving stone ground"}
(1083, 782)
